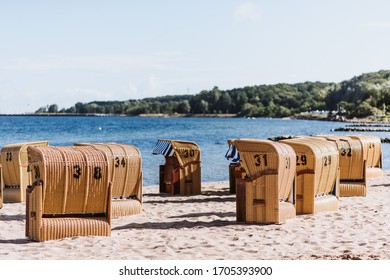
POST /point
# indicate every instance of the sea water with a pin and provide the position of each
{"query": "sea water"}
(211, 134)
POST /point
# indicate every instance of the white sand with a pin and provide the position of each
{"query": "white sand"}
(204, 227)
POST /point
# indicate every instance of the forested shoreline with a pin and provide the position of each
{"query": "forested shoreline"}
(367, 95)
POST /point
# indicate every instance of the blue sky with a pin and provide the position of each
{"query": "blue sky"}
(63, 52)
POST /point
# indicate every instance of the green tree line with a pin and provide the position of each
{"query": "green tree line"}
(362, 96)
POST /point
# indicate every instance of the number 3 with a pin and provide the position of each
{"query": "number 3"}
(77, 169)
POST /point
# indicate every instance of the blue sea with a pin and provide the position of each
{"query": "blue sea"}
(211, 134)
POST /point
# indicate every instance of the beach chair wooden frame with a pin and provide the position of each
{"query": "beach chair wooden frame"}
(317, 175)
(125, 175)
(372, 150)
(265, 191)
(181, 173)
(15, 170)
(235, 171)
(71, 193)
(353, 180)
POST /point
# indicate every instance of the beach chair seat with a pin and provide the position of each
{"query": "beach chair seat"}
(125, 175)
(265, 190)
(372, 153)
(353, 180)
(71, 193)
(181, 173)
(15, 170)
(317, 174)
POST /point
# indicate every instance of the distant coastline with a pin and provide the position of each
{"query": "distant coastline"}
(302, 116)
(161, 115)
(123, 115)
(57, 115)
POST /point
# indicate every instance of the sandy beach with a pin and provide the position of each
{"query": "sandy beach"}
(204, 227)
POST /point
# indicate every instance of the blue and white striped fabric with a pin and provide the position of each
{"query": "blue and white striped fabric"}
(164, 147)
(232, 154)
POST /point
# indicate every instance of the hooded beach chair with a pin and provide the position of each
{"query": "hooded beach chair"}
(70, 195)
(317, 175)
(372, 150)
(181, 173)
(352, 163)
(125, 176)
(265, 191)
(15, 170)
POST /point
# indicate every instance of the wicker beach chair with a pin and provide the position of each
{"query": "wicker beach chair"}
(372, 150)
(265, 191)
(125, 176)
(317, 175)
(353, 179)
(181, 173)
(71, 193)
(15, 170)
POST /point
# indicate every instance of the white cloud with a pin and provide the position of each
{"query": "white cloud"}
(248, 12)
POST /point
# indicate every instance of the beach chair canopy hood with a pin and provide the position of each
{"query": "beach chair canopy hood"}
(164, 147)
(372, 148)
(232, 154)
(75, 179)
(125, 174)
(125, 167)
(185, 151)
(264, 156)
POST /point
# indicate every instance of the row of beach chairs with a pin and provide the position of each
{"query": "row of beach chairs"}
(72, 190)
(75, 190)
(276, 180)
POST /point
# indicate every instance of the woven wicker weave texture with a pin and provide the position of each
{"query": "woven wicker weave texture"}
(265, 194)
(126, 176)
(372, 150)
(74, 198)
(15, 170)
(317, 174)
(352, 165)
